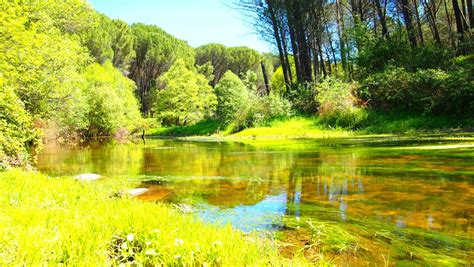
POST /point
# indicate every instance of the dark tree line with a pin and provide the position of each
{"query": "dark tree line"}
(324, 37)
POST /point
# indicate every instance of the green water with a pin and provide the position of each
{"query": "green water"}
(357, 201)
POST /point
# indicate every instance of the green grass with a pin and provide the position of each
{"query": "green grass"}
(51, 221)
(376, 125)
(202, 128)
(403, 123)
(293, 128)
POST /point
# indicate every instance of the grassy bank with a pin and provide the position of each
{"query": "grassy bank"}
(50, 221)
(376, 124)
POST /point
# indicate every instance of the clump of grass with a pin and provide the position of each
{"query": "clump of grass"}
(325, 236)
(202, 128)
(331, 237)
(50, 221)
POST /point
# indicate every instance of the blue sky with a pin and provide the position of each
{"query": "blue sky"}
(196, 21)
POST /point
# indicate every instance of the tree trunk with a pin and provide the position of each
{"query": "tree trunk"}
(302, 43)
(265, 78)
(431, 15)
(418, 23)
(285, 51)
(321, 59)
(329, 61)
(407, 17)
(458, 19)
(469, 13)
(296, 56)
(383, 22)
(279, 45)
(340, 31)
(315, 64)
(450, 29)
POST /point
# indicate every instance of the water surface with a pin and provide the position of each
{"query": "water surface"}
(398, 201)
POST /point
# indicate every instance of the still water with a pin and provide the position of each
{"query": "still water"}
(357, 201)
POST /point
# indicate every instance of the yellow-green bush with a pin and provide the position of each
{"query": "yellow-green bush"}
(337, 104)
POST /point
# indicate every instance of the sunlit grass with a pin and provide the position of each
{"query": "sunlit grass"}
(293, 128)
(51, 221)
(298, 127)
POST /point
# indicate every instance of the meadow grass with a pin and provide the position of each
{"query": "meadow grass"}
(293, 128)
(51, 221)
(202, 128)
(300, 127)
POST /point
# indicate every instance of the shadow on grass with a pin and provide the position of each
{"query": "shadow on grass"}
(410, 123)
(203, 128)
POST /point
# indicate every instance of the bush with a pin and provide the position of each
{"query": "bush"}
(111, 102)
(187, 97)
(258, 110)
(16, 131)
(423, 91)
(337, 104)
(232, 97)
(380, 55)
(302, 98)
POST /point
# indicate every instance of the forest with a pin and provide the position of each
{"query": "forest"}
(70, 73)
(350, 143)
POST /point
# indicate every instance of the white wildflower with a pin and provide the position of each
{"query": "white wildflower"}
(130, 237)
(150, 252)
(178, 242)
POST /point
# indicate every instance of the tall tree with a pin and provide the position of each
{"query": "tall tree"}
(383, 21)
(407, 17)
(155, 52)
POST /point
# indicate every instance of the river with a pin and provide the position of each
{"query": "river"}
(356, 201)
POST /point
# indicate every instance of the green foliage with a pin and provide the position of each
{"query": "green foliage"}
(302, 98)
(250, 81)
(43, 54)
(111, 101)
(337, 104)
(98, 38)
(423, 91)
(259, 110)
(123, 41)
(243, 59)
(378, 55)
(239, 60)
(232, 97)
(187, 97)
(16, 129)
(155, 52)
(207, 70)
(277, 82)
(410, 123)
(217, 55)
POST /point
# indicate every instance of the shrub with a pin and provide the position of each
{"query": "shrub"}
(258, 110)
(111, 101)
(423, 91)
(302, 98)
(337, 104)
(16, 130)
(187, 97)
(232, 97)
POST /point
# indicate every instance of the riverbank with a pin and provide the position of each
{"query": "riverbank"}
(376, 125)
(46, 220)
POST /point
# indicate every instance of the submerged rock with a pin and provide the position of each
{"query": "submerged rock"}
(136, 192)
(88, 177)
